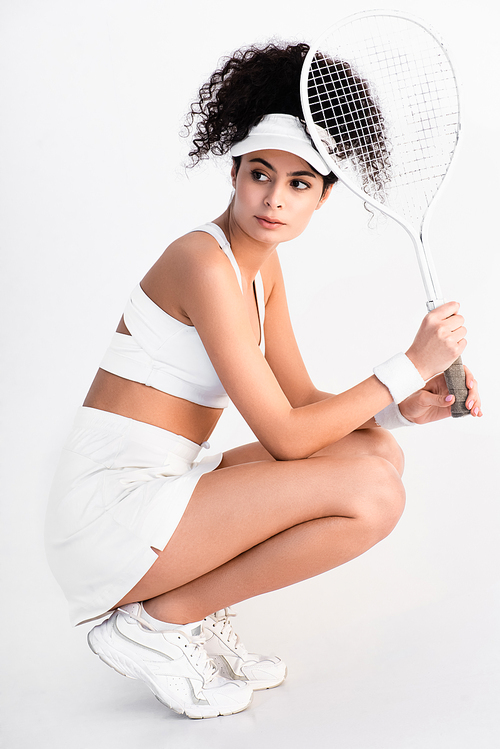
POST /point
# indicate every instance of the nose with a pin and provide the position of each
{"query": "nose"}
(274, 198)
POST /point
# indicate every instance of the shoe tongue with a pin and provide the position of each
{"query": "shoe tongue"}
(196, 631)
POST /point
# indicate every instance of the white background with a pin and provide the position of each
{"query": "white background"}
(399, 648)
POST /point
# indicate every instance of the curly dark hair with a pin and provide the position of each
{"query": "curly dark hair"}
(256, 81)
(343, 106)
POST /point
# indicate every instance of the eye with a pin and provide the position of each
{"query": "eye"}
(259, 176)
(299, 184)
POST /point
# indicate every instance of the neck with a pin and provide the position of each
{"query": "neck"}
(249, 253)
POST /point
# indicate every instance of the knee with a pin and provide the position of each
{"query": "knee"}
(382, 444)
(386, 502)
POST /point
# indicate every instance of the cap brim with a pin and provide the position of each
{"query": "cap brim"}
(264, 141)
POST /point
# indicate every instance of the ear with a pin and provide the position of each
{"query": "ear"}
(324, 197)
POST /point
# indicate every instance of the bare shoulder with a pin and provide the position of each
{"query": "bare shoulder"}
(196, 244)
(185, 262)
(186, 253)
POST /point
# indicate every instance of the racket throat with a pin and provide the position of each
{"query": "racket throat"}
(427, 269)
(434, 303)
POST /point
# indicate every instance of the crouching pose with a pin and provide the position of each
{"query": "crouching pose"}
(140, 526)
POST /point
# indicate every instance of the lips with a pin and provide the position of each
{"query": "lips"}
(269, 221)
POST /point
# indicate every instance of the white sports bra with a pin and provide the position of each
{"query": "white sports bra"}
(167, 354)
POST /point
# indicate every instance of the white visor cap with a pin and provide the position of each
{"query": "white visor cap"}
(281, 132)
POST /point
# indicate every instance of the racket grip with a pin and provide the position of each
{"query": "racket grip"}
(455, 380)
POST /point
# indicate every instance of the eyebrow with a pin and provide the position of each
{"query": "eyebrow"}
(302, 173)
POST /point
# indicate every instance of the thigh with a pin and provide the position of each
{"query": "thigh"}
(363, 442)
(240, 506)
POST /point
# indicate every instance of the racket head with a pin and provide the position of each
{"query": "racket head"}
(380, 101)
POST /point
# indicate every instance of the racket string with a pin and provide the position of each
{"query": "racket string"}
(412, 83)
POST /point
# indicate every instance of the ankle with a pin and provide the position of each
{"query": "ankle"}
(160, 614)
(190, 629)
(174, 612)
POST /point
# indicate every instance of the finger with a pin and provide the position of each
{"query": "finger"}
(436, 400)
(439, 387)
(453, 325)
(473, 402)
(444, 311)
(449, 308)
(469, 379)
(455, 322)
(474, 406)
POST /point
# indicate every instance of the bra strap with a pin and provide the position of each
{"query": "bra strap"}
(219, 236)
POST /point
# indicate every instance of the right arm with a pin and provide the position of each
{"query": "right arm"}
(210, 297)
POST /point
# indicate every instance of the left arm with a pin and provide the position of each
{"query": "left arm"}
(282, 351)
(432, 403)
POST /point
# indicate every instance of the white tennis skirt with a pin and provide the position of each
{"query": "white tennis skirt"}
(121, 487)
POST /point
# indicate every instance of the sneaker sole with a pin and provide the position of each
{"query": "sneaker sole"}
(258, 686)
(128, 667)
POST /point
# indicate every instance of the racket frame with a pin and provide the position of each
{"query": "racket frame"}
(454, 375)
(418, 235)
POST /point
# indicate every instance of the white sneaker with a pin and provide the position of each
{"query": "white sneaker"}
(232, 658)
(173, 663)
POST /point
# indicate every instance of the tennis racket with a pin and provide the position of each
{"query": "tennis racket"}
(381, 104)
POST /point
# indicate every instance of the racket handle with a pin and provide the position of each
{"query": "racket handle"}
(455, 380)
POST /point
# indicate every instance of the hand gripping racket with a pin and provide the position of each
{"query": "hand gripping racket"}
(380, 101)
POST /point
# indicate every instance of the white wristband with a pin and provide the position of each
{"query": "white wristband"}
(391, 418)
(400, 376)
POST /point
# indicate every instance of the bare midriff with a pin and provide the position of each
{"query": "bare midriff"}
(109, 392)
(134, 400)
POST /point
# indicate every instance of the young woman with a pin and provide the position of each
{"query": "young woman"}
(137, 524)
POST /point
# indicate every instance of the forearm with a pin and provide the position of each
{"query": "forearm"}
(327, 419)
(370, 424)
(315, 396)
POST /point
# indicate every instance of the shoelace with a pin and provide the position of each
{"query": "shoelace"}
(225, 629)
(194, 647)
(201, 660)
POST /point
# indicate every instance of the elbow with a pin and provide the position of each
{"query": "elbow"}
(290, 438)
(284, 448)
(290, 456)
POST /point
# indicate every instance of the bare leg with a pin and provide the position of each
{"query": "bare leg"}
(378, 442)
(257, 525)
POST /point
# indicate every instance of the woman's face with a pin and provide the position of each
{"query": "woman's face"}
(276, 194)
